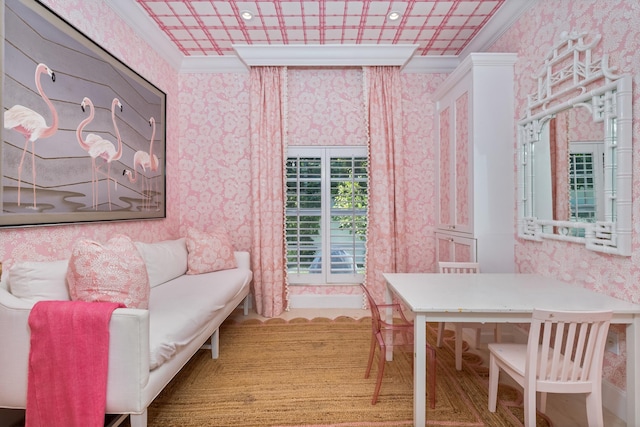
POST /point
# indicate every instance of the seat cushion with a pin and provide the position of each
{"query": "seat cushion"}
(180, 309)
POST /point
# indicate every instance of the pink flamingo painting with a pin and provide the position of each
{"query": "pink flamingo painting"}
(86, 144)
(32, 125)
(106, 150)
(145, 160)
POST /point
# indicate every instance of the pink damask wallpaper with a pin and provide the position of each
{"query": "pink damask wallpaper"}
(100, 23)
(326, 107)
(215, 179)
(531, 37)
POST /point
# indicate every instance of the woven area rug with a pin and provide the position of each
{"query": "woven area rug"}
(311, 373)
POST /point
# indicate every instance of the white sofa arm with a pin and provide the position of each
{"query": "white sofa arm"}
(128, 355)
(243, 259)
(128, 360)
(14, 355)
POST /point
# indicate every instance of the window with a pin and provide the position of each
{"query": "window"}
(326, 214)
(586, 181)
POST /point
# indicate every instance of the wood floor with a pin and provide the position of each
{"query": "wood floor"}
(563, 410)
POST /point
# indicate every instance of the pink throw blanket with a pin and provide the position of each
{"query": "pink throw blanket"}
(68, 361)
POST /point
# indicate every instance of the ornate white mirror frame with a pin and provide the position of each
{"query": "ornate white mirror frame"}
(571, 79)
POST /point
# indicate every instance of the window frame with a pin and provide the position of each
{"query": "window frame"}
(595, 149)
(326, 276)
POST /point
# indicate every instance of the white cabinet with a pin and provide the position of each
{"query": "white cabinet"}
(451, 247)
(475, 137)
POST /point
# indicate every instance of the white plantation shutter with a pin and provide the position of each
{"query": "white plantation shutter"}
(586, 182)
(326, 214)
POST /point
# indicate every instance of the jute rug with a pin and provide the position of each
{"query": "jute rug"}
(311, 373)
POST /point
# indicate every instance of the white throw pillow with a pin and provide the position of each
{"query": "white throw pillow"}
(164, 260)
(39, 280)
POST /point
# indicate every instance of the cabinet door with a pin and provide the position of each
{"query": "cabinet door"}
(455, 202)
(445, 171)
(453, 248)
(463, 201)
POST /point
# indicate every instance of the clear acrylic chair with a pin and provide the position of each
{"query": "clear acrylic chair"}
(463, 268)
(564, 354)
(402, 326)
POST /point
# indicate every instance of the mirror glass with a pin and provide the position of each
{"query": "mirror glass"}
(569, 168)
(574, 166)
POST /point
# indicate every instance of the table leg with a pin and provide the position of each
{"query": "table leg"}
(633, 372)
(388, 338)
(420, 370)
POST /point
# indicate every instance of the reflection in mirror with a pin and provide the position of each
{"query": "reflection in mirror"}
(569, 168)
(574, 168)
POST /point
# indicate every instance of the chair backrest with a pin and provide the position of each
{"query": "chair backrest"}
(458, 267)
(375, 310)
(567, 347)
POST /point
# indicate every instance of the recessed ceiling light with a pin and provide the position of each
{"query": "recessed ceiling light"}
(393, 16)
(246, 15)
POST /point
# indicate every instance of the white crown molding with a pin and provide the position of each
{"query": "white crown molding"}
(475, 59)
(133, 14)
(500, 22)
(328, 55)
(432, 64)
(213, 64)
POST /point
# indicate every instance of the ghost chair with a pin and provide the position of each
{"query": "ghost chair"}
(403, 327)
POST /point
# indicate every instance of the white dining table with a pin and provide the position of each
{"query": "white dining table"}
(503, 298)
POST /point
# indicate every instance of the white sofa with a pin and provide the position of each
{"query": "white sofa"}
(147, 347)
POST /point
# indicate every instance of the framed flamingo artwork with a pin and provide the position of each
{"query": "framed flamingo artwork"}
(83, 135)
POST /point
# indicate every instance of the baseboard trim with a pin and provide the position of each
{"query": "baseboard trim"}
(325, 301)
(614, 399)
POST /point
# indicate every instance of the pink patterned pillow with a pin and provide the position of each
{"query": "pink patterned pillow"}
(209, 251)
(113, 272)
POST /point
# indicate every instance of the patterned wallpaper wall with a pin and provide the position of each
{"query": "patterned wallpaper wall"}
(532, 37)
(214, 159)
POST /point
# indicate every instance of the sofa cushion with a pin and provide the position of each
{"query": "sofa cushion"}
(165, 260)
(180, 309)
(111, 272)
(209, 252)
(39, 280)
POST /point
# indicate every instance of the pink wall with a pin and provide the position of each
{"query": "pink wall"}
(326, 107)
(99, 22)
(532, 37)
(214, 159)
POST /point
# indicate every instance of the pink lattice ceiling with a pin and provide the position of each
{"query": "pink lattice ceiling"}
(212, 27)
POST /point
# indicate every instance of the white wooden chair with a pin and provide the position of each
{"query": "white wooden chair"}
(463, 268)
(564, 354)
